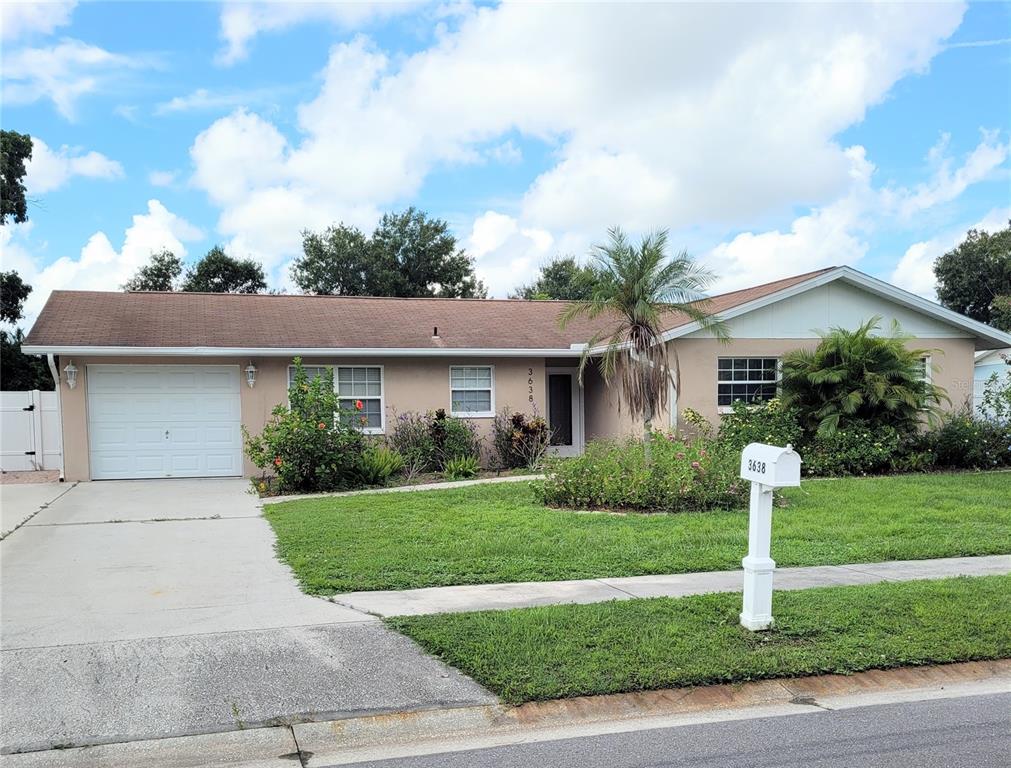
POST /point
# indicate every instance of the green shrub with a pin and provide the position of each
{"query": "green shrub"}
(856, 450)
(681, 476)
(427, 441)
(411, 439)
(520, 441)
(996, 401)
(453, 438)
(461, 468)
(307, 444)
(962, 442)
(857, 379)
(379, 464)
(770, 422)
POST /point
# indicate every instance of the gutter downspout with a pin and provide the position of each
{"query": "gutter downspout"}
(55, 371)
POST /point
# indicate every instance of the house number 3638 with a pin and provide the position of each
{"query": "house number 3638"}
(530, 384)
(756, 466)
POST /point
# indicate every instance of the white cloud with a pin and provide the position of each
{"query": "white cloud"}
(839, 233)
(915, 270)
(162, 178)
(947, 183)
(506, 153)
(62, 73)
(49, 170)
(736, 122)
(202, 100)
(243, 21)
(100, 265)
(505, 254)
(18, 19)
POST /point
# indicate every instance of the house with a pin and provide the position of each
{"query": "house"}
(158, 384)
(988, 363)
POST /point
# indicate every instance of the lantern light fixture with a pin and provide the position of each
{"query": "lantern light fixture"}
(71, 370)
(251, 375)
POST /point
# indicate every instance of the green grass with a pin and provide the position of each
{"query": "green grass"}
(572, 650)
(499, 533)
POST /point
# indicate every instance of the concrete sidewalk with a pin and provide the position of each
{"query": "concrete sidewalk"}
(485, 597)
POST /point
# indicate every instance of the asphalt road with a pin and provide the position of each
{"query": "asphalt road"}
(974, 732)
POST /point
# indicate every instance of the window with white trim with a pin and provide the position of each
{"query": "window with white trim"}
(926, 374)
(362, 384)
(749, 379)
(354, 383)
(471, 390)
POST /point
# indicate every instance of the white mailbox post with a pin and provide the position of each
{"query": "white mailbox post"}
(767, 467)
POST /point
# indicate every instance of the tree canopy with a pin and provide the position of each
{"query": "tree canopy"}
(407, 255)
(640, 285)
(217, 272)
(13, 292)
(16, 150)
(974, 278)
(159, 274)
(563, 279)
(18, 371)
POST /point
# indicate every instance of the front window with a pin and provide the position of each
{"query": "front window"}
(358, 383)
(471, 390)
(362, 383)
(749, 379)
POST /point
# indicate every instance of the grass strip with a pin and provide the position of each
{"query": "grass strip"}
(499, 533)
(562, 651)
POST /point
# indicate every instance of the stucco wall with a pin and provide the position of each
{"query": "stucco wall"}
(951, 359)
(410, 384)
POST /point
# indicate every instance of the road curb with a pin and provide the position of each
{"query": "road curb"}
(434, 731)
(430, 731)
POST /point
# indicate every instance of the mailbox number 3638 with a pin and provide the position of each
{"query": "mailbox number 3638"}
(756, 466)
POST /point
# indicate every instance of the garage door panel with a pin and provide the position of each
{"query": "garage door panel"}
(164, 421)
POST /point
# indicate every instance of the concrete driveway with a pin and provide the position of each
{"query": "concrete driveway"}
(140, 609)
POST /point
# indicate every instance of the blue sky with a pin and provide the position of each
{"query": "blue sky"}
(770, 139)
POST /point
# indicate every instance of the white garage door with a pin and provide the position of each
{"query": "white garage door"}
(164, 421)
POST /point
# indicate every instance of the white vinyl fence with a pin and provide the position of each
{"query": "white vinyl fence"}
(29, 431)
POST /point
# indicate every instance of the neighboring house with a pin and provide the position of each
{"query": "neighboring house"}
(988, 363)
(157, 384)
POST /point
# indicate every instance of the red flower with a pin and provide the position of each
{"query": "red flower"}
(321, 425)
(277, 461)
(358, 405)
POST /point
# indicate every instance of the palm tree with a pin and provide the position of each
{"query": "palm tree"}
(642, 290)
(860, 377)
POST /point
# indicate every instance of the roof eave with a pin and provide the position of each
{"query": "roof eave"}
(123, 351)
(981, 331)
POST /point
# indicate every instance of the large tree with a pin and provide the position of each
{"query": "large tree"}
(217, 272)
(641, 290)
(159, 274)
(18, 371)
(563, 278)
(408, 254)
(13, 292)
(975, 277)
(16, 150)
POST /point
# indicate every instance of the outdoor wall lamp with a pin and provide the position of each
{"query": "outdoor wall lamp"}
(251, 375)
(71, 371)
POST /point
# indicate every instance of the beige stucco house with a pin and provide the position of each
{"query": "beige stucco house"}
(158, 384)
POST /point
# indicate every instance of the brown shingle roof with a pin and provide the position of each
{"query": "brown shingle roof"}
(108, 319)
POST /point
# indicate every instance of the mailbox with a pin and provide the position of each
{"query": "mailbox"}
(770, 465)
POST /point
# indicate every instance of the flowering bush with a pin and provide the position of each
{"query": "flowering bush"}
(308, 444)
(769, 422)
(962, 442)
(856, 450)
(681, 476)
(520, 441)
(427, 441)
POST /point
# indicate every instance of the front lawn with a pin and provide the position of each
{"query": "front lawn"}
(572, 650)
(499, 533)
